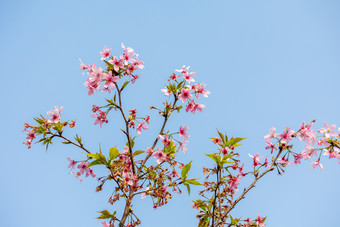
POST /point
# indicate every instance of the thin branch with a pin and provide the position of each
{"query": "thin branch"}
(247, 190)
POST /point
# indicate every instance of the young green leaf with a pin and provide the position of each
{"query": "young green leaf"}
(113, 153)
(185, 170)
(138, 152)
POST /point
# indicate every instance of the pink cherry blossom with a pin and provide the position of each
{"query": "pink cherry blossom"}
(287, 135)
(260, 221)
(149, 151)
(306, 134)
(217, 140)
(256, 159)
(165, 140)
(55, 114)
(197, 107)
(105, 53)
(271, 134)
(188, 76)
(92, 88)
(328, 130)
(270, 146)
(105, 224)
(192, 106)
(110, 80)
(283, 161)
(266, 163)
(323, 142)
(138, 64)
(72, 163)
(317, 163)
(117, 64)
(183, 70)
(297, 158)
(225, 151)
(141, 126)
(133, 112)
(182, 132)
(185, 94)
(77, 174)
(173, 76)
(100, 118)
(96, 75)
(183, 146)
(166, 91)
(331, 153)
(308, 152)
(83, 167)
(233, 182)
(200, 89)
(160, 156)
(144, 194)
(128, 54)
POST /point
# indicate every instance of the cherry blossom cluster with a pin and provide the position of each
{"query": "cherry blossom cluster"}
(100, 116)
(47, 128)
(117, 67)
(185, 92)
(83, 168)
(323, 141)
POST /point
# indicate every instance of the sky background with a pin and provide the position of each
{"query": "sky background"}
(267, 63)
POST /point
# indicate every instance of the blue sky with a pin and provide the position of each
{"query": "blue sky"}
(267, 63)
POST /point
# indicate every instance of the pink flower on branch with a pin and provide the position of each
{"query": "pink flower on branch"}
(141, 126)
(182, 132)
(105, 53)
(166, 91)
(100, 118)
(271, 134)
(185, 94)
(72, 163)
(317, 163)
(328, 131)
(260, 221)
(256, 159)
(110, 80)
(270, 146)
(160, 156)
(233, 182)
(77, 174)
(117, 64)
(55, 114)
(287, 135)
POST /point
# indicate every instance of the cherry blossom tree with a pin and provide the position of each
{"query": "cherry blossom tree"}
(155, 172)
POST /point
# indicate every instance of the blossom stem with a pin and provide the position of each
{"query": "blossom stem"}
(126, 127)
(252, 185)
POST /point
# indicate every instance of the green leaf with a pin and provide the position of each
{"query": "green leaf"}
(113, 153)
(138, 152)
(94, 156)
(193, 181)
(185, 170)
(105, 215)
(234, 141)
(124, 85)
(222, 137)
(95, 162)
(214, 157)
(188, 188)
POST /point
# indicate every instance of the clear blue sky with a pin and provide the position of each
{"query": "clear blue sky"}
(267, 63)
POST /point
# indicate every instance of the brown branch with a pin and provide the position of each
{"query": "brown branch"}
(70, 141)
(126, 127)
(166, 117)
(252, 185)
